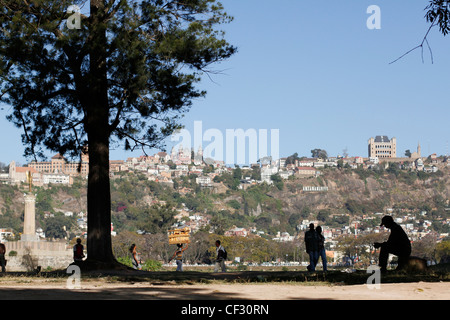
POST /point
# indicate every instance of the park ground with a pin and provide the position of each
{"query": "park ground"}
(102, 290)
(233, 285)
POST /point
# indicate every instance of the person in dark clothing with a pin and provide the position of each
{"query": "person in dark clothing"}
(397, 244)
(78, 251)
(322, 253)
(221, 257)
(2, 257)
(312, 247)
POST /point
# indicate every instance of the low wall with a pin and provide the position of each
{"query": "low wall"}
(30, 254)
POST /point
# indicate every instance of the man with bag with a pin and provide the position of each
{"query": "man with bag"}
(221, 254)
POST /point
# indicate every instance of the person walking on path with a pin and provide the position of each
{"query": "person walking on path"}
(2, 256)
(397, 244)
(322, 252)
(312, 247)
(221, 256)
(135, 258)
(178, 255)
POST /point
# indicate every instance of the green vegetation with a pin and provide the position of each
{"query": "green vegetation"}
(150, 208)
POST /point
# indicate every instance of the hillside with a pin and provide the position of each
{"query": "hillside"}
(271, 209)
(365, 192)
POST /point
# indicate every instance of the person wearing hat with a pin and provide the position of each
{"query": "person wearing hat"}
(397, 244)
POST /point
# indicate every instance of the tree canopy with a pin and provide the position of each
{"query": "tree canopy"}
(144, 57)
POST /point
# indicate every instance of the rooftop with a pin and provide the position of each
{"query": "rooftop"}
(382, 139)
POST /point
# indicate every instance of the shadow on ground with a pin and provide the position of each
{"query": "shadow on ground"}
(121, 293)
(137, 285)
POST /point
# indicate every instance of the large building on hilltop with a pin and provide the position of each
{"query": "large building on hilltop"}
(58, 164)
(382, 147)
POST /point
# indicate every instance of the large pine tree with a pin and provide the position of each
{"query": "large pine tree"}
(126, 74)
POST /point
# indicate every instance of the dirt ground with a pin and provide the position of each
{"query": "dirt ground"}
(15, 289)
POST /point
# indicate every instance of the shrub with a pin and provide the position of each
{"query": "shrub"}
(12, 253)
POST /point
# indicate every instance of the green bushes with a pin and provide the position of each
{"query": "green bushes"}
(148, 265)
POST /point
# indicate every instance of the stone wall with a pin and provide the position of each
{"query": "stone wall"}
(30, 254)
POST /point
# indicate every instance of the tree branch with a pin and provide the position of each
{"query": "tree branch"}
(424, 40)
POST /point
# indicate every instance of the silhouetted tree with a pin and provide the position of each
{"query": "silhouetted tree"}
(126, 75)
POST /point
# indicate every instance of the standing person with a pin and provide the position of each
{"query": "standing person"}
(2, 256)
(78, 252)
(397, 244)
(312, 247)
(322, 252)
(178, 255)
(221, 256)
(135, 258)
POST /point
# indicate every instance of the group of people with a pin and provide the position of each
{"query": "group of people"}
(221, 256)
(315, 247)
(136, 262)
(397, 244)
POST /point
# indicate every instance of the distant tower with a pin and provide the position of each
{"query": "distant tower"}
(29, 223)
(12, 171)
(419, 150)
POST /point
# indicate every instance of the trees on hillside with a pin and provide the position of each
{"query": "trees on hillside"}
(319, 153)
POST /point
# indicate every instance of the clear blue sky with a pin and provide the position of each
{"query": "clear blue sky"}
(315, 71)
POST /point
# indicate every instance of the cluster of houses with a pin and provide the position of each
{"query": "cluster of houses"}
(164, 167)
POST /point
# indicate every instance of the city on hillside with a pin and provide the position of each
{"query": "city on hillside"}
(164, 168)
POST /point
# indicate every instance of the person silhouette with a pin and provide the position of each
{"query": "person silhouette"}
(322, 253)
(221, 254)
(312, 247)
(2, 256)
(135, 258)
(78, 252)
(397, 244)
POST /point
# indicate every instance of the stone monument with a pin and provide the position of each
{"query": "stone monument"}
(37, 253)
(29, 221)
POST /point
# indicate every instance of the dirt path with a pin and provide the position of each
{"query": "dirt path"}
(279, 291)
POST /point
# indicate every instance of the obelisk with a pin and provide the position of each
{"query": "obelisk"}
(29, 221)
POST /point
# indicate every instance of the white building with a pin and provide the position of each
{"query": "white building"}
(203, 181)
(266, 172)
(56, 178)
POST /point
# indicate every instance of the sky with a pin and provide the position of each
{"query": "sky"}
(316, 73)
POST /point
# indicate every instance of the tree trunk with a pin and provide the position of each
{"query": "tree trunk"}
(99, 247)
